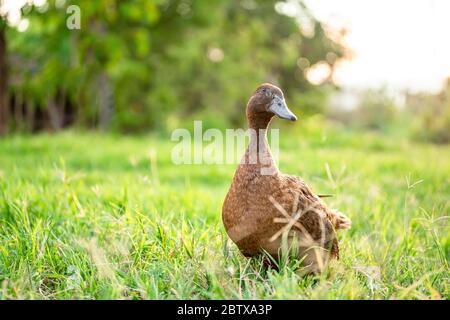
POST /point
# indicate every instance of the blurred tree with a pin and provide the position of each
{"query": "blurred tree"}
(135, 65)
(430, 115)
(4, 115)
(210, 55)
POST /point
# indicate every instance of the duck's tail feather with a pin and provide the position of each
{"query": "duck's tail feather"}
(339, 220)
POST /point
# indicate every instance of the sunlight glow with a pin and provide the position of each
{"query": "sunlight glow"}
(318, 73)
(402, 44)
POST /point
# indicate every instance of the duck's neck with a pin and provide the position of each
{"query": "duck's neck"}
(258, 121)
(258, 156)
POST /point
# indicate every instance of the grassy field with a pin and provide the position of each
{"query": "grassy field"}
(92, 216)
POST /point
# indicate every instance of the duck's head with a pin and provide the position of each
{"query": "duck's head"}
(267, 101)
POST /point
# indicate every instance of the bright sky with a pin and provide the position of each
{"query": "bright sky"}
(404, 44)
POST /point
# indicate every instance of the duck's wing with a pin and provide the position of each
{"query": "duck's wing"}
(297, 185)
(315, 219)
(339, 220)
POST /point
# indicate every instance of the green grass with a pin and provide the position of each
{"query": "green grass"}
(92, 216)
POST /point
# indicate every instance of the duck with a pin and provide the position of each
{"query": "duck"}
(268, 212)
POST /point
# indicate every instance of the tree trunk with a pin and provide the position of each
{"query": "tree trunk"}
(106, 104)
(4, 110)
(18, 112)
(54, 115)
(29, 115)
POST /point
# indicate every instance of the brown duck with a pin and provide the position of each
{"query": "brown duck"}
(268, 211)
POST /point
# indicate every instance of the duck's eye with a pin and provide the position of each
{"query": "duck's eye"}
(264, 90)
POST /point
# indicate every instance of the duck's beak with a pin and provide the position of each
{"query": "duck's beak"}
(278, 106)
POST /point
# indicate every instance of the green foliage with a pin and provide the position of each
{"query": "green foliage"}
(375, 110)
(134, 65)
(431, 116)
(121, 221)
(423, 117)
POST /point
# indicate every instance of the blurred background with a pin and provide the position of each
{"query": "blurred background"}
(156, 65)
